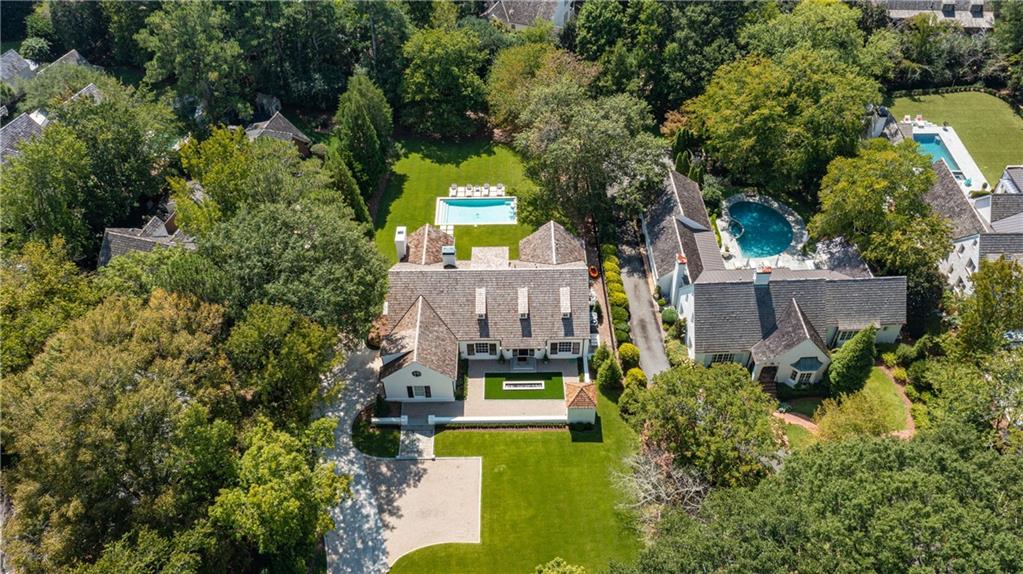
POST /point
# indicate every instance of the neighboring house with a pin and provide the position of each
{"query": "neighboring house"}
(18, 130)
(779, 323)
(156, 234)
(440, 310)
(14, 68)
(1011, 180)
(278, 127)
(72, 58)
(972, 15)
(991, 230)
(520, 14)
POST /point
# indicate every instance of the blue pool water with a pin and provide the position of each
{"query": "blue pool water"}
(761, 231)
(932, 145)
(481, 211)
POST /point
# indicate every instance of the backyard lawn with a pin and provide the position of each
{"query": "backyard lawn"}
(553, 388)
(545, 494)
(424, 173)
(991, 132)
(805, 406)
(887, 394)
(799, 437)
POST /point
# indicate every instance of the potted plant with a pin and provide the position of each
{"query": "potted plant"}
(546, 359)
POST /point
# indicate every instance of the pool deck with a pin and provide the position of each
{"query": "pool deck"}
(791, 258)
(962, 157)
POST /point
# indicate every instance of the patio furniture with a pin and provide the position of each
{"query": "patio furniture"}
(906, 119)
(498, 193)
(460, 192)
(452, 192)
(477, 192)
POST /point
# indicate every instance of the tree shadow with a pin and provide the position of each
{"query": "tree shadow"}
(395, 186)
(391, 479)
(587, 433)
(447, 152)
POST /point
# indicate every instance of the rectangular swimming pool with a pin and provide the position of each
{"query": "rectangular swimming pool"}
(476, 210)
(931, 144)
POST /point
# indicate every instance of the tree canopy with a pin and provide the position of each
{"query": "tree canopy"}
(441, 86)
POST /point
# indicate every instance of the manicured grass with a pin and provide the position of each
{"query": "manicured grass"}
(799, 437)
(424, 173)
(991, 132)
(545, 494)
(553, 388)
(805, 406)
(375, 440)
(884, 389)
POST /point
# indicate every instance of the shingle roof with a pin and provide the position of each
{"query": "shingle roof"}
(901, 9)
(1005, 205)
(14, 67)
(452, 293)
(153, 235)
(731, 314)
(994, 245)
(948, 201)
(277, 127)
(1011, 224)
(89, 91)
(521, 12)
(72, 57)
(421, 336)
(425, 244)
(580, 395)
(16, 131)
(552, 244)
(792, 328)
(677, 223)
(1015, 173)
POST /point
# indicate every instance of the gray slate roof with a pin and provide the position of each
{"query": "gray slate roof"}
(552, 244)
(1006, 205)
(948, 201)
(91, 91)
(72, 57)
(421, 336)
(16, 131)
(14, 67)
(452, 293)
(732, 315)
(520, 12)
(425, 243)
(995, 245)
(277, 127)
(959, 11)
(153, 235)
(792, 329)
(1015, 174)
(1011, 224)
(678, 224)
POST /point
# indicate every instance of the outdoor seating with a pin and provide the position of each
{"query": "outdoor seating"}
(461, 191)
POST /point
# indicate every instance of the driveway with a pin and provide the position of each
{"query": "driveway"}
(643, 313)
(395, 506)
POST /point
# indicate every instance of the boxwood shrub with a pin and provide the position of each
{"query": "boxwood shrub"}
(608, 250)
(618, 299)
(619, 314)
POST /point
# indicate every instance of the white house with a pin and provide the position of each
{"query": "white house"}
(780, 323)
(440, 309)
(988, 229)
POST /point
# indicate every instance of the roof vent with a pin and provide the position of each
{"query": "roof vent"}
(523, 302)
(447, 253)
(566, 302)
(481, 303)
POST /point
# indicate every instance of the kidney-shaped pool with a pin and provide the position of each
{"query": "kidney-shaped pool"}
(759, 229)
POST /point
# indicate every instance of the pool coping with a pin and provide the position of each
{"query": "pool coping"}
(960, 154)
(441, 198)
(791, 257)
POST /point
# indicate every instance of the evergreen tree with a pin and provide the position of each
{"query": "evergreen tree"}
(344, 183)
(851, 363)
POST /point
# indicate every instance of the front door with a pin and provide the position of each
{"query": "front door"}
(523, 355)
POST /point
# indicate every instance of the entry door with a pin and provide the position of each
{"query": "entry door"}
(523, 355)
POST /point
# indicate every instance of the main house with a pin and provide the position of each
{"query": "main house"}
(440, 309)
(780, 323)
(986, 228)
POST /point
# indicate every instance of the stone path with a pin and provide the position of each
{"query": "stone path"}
(356, 545)
(416, 442)
(798, 420)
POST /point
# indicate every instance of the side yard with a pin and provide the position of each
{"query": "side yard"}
(545, 494)
(991, 132)
(424, 173)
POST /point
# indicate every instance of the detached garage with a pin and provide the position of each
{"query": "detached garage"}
(420, 357)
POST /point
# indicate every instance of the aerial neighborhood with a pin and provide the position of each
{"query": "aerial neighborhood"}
(511, 286)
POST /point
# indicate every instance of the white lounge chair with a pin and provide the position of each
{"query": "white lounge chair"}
(477, 191)
(452, 192)
(461, 191)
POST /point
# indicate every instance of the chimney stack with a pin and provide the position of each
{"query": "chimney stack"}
(762, 276)
(447, 253)
(399, 242)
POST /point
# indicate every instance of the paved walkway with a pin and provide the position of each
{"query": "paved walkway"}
(357, 544)
(416, 442)
(798, 420)
(644, 318)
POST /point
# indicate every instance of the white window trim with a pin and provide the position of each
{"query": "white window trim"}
(564, 347)
(722, 358)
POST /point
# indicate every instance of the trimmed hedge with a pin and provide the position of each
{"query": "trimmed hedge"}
(635, 377)
(618, 299)
(622, 326)
(622, 337)
(613, 260)
(613, 277)
(619, 314)
(629, 355)
(669, 316)
(608, 250)
(612, 268)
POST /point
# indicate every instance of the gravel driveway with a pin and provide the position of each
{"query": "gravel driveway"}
(643, 315)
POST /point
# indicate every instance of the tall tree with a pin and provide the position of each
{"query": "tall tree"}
(80, 26)
(715, 420)
(310, 256)
(124, 21)
(851, 363)
(41, 290)
(358, 121)
(994, 307)
(384, 28)
(441, 86)
(192, 47)
(342, 180)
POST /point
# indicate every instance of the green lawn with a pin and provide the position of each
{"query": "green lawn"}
(799, 437)
(375, 440)
(991, 132)
(554, 388)
(545, 494)
(805, 406)
(424, 173)
(884, 389)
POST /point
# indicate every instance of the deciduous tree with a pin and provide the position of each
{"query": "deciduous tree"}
(994, 307)
(441, 86)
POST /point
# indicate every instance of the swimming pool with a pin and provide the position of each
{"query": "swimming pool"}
(476, 211)
(760, 230)
(932, 145)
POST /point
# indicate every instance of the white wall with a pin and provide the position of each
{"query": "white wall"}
(785, 360)
(888, 334)
(465, 355)
(740, 357)
(956, 266)
(577, 415)
(442, 387)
